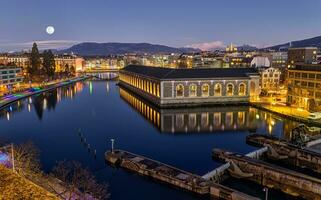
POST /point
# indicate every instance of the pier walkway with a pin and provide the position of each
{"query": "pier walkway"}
(284, 151)
(273, 176)
(173, 176)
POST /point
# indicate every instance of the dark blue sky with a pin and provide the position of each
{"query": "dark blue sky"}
(170, 22)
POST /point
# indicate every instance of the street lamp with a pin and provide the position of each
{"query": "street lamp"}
(112, 145)
(266, 190)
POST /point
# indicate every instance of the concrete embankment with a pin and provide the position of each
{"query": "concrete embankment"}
(4, 103)
(287, 115)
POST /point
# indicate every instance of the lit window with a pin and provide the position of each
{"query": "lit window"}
(193, 90)
(242, 89)
(179, 90)
(218, 90)
(205, 90)
(229, 89)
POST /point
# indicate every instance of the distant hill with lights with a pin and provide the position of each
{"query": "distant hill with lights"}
(102, 49)
(310, 42)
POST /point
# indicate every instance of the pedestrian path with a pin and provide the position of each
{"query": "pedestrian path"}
(8, 99)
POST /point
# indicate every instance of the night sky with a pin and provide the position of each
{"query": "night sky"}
(178, 23)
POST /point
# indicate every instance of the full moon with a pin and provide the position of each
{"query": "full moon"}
(50, 30)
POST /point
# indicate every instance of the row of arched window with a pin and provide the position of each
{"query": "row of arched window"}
(205, 90)
(143, 84)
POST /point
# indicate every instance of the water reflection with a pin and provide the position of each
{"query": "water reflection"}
(44, 101)
(210, 119)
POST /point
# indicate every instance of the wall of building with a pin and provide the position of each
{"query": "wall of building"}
(9, 77)
(270, 78)
(304, 89)
(203, 92)
(192, 92)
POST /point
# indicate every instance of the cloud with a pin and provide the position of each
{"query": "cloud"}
(206, 46)
(42, 44)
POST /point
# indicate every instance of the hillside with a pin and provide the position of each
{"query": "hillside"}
(311, 42)
(102, 49)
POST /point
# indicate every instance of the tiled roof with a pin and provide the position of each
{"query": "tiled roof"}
(202, 73)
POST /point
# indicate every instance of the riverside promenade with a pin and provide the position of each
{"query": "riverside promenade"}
(289, 112)
(8, 99)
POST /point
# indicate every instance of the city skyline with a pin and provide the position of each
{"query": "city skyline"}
(204, 25)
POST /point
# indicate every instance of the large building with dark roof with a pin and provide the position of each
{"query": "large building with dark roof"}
(168, 87)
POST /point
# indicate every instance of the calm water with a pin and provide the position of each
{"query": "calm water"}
(101, 110)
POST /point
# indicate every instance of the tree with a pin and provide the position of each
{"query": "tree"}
(49, 63)
(72, 70)
(26, 159)
(35, 62)
(67, 69)
(79, 181)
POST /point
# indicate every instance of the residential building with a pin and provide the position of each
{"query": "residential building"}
(270, 78)
(168, 87)
(306, 55)
(104, 63)
(304, 87)
(10, 77)
(19, 60)
(71, 60)
(3, 59)
(279, 59)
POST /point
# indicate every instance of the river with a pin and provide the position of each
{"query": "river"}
(102, 111)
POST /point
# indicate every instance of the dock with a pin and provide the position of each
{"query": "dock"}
(286, 152)
(217, 173)
(266, 174)
(173, 176)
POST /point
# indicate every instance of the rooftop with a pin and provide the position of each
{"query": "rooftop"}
(8, 67)
(307, 67)
(169, 73)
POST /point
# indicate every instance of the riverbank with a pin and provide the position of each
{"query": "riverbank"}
(8, 99)
(288, 112)
(14, 186)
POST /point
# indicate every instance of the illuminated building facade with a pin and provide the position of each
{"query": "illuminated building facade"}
(23, 61)
(192, 87)
(111, 63)
(19, 60)
(10, 77)
(304, 87)
(279, 59)
(270, 78)
(71, 60)
(306, 55)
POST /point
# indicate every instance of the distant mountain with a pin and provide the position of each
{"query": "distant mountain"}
(102, 49)
(311, 42)
(246, 47)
